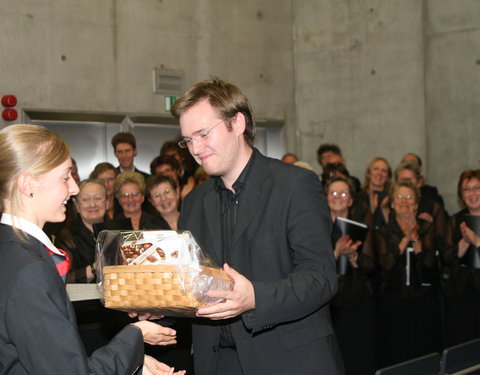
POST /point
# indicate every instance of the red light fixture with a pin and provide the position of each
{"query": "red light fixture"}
(9, 114)
(9, 100)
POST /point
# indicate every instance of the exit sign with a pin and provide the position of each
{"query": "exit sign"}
(169, 100)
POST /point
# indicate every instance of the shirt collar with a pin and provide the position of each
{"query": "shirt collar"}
(30, 228)
(241, 180)
(127, 170)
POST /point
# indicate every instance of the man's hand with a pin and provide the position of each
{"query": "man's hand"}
(237, 301)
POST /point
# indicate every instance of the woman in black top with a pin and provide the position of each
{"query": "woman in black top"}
(353, 307)
(462, 263)
(410, 320)
(375, 190)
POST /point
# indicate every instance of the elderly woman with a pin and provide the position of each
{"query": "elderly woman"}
(462, 302)
(429, 210)
(78, 236)
(164, 195)
(107, 173)
(353, 308)
(409, 307)
(130, 192)
(375, 190)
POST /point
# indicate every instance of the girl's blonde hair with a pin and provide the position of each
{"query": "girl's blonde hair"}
(29, 149)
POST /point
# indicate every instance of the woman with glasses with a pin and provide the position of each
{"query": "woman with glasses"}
(107, 173)
(130, 192)
(409, 311)
(353, 308)
(164, 196)
(462, 262)
(78, 236)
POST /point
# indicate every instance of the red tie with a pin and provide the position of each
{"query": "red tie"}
(62, 263)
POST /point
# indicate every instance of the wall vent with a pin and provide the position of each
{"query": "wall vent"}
(167, 81)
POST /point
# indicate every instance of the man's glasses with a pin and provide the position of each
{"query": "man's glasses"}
(187, 142)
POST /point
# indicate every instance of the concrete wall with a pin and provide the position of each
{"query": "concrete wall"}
(99, 55)
(360, 79)
(378, 77)
(386, 77)
(452, 67)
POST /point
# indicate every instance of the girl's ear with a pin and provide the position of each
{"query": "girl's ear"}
(25, 184)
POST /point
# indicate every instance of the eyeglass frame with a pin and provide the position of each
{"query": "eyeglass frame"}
(406, 196)
(339, 194)
(161, 194)
(135, 194)
(187, 141)
(84, 201)
(473, 189)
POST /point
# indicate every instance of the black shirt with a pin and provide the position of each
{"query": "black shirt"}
(229, 203)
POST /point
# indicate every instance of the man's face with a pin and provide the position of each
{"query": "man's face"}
(407, 174)
(166, 170)
(213, 145)
(325, 158)
(125, 154)
(177, 156)
(334, 158)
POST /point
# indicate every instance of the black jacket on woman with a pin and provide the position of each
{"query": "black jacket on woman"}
(38, 330)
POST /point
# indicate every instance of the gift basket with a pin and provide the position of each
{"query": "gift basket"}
(162, 272)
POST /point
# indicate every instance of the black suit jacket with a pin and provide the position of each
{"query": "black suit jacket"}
(38, 330)
(282, 244)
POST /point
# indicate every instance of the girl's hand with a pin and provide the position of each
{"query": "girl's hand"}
(153, 367)
(155, 334)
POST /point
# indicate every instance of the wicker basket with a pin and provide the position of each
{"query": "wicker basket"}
(153, 289)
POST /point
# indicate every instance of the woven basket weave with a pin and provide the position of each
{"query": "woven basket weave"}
(153, 289)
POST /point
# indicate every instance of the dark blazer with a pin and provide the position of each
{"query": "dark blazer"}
(38, 331)
(281, 243)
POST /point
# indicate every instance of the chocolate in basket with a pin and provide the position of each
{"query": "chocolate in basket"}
(158, 272)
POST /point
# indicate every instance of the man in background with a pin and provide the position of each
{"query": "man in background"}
(125, 149)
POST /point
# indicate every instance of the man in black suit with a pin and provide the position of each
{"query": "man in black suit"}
(125, 149)
(268, 224)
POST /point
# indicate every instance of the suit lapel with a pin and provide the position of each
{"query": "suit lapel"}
(253, 197)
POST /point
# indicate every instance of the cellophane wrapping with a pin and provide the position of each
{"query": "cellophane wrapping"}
(160, 272)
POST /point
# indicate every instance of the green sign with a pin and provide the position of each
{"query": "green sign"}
(169, 100)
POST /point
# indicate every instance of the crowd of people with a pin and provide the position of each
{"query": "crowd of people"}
(412, 285)
(306, 298)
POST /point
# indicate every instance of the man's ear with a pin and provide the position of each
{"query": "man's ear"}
(25, 184)
(239, 123)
